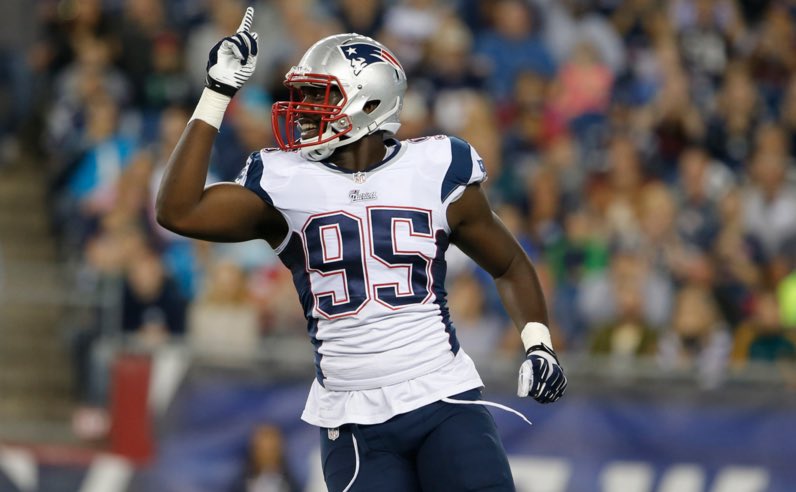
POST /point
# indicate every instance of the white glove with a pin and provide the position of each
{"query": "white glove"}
(541, 375)
(232, 60)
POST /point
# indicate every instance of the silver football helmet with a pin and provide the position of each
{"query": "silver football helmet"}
(345, 72)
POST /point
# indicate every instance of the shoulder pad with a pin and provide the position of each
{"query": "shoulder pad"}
(465, 167)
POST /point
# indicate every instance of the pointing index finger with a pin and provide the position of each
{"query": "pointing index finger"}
(246, 23)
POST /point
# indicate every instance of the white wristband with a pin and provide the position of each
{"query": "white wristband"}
(211, 108)
(534, 334)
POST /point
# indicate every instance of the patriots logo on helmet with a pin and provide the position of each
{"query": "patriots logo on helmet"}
(363, 54)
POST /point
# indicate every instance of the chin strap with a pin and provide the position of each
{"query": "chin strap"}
(316, 154)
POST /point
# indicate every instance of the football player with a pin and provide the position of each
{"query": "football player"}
(363, 222)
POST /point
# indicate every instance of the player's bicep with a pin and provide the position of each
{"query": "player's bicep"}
(228, 212)
(480, 234)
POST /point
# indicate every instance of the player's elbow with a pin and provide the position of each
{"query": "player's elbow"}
(175, 225)
(164, 220)
(167, 218)
(519, 266)
(167, 210)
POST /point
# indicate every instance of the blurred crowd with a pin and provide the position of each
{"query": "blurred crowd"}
(640, 150)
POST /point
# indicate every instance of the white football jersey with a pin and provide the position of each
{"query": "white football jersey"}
(367, 253)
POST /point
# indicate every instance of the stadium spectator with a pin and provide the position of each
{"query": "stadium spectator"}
(658, 237)
(447, 64)
(732, 126)
(87, 188)
(787, 114)
(573, 23)
(738, 260)
(222, 320)
(627, 336)
(412, 27)
(266, 470)
(626, 177)
(583, 85)
(763, 338)
(142, 23)
(676, 121)
(707, 30)
(365, 17)
(576, 254)
(152, 307)
(699, 341)
(165, 83)
(697, 221)
(771, 61)
(512, 45)
(597, 299)
(90, 79)
(479, 331)
(270, 287)
(17, 34)
(769, 199)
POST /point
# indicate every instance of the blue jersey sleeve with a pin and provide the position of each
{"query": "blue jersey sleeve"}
(252, 174)
(466, 167)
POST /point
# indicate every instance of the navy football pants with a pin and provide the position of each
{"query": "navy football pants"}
(437, 448)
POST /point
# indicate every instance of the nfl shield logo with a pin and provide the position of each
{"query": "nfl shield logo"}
(333, 434)
(359, 178)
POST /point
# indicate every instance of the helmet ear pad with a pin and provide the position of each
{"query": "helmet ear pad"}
(344, 122)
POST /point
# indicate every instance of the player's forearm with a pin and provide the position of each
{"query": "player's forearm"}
(186, 173)
(521, 292)
(230, 64)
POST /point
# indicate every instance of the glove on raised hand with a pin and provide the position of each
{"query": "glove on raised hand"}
(232, 60)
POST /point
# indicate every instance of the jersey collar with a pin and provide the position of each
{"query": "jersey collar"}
(393, 148)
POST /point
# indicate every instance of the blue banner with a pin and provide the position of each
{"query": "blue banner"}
(580, 444)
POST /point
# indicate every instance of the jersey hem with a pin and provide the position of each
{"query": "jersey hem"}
(371, 419)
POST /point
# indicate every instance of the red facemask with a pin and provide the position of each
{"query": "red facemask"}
(285, 115)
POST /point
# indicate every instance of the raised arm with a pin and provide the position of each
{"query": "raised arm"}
(224, 212)
(478, 232)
